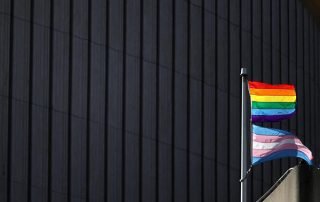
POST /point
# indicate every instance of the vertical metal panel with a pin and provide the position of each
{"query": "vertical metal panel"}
(97, 125)
(306, 68)
(311, 83)
(20, 110)
(246, 20)
(300, 72)
(235, 100)
(195, 101)
(132, 101)
(209, 116)
(132, 129)
(5, 37)
(292, 54)
(275, 66)
(40, 101)
(98, 97)
(257, 55)
(316, 65)
(222, 130)
(149, 101)
(234, 103)
(180, 116)
(266, 73)
(60, 90)
(284, 63)
(140, 100)
(115, 100)
(165, 20)
(79, 92)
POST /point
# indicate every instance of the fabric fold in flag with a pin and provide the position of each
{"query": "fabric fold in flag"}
(270, 144)
(271, 103)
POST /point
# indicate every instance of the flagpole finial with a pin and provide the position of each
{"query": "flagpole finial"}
(243, 71)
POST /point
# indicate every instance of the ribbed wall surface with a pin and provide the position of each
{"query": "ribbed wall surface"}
(139, 100)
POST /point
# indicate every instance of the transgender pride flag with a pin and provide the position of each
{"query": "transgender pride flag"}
(269, 144)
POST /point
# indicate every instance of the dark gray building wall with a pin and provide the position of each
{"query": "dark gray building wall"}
(139, 100)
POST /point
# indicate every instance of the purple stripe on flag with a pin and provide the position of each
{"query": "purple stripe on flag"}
(272, 118)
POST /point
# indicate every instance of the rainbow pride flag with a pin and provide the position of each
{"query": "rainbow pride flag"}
(271, 103)
(270, 144)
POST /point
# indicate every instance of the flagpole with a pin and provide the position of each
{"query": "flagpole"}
(244, 134)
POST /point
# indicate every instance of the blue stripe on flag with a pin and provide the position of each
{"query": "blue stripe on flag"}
(258, 130)
(281, 154)
(270, 112)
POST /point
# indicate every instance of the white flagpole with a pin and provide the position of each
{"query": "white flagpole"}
(244, 134)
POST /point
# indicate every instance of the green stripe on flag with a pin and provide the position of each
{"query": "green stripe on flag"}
(273, 105)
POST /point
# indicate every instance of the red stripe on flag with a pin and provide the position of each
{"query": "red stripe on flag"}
(260, 85)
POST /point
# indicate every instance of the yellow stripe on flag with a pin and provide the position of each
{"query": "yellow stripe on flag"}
(258, 98)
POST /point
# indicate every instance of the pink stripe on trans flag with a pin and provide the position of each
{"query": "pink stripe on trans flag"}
(273, 138)
(282, 147)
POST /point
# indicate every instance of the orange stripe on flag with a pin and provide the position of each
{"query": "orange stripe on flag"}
(274, 92)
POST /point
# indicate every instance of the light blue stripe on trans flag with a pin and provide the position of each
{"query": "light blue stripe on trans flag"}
(258, 130)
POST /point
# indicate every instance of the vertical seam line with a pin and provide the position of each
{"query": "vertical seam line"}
(88, 104)
(228, 99)
(124, 83)
(216, 100)
(173, 103)
(69, 137)
(50, 101)
(141, 102)
(31, 53)
(106, 111)
(188, 103)
(10, 101)
(202, 96)
(157, 97)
